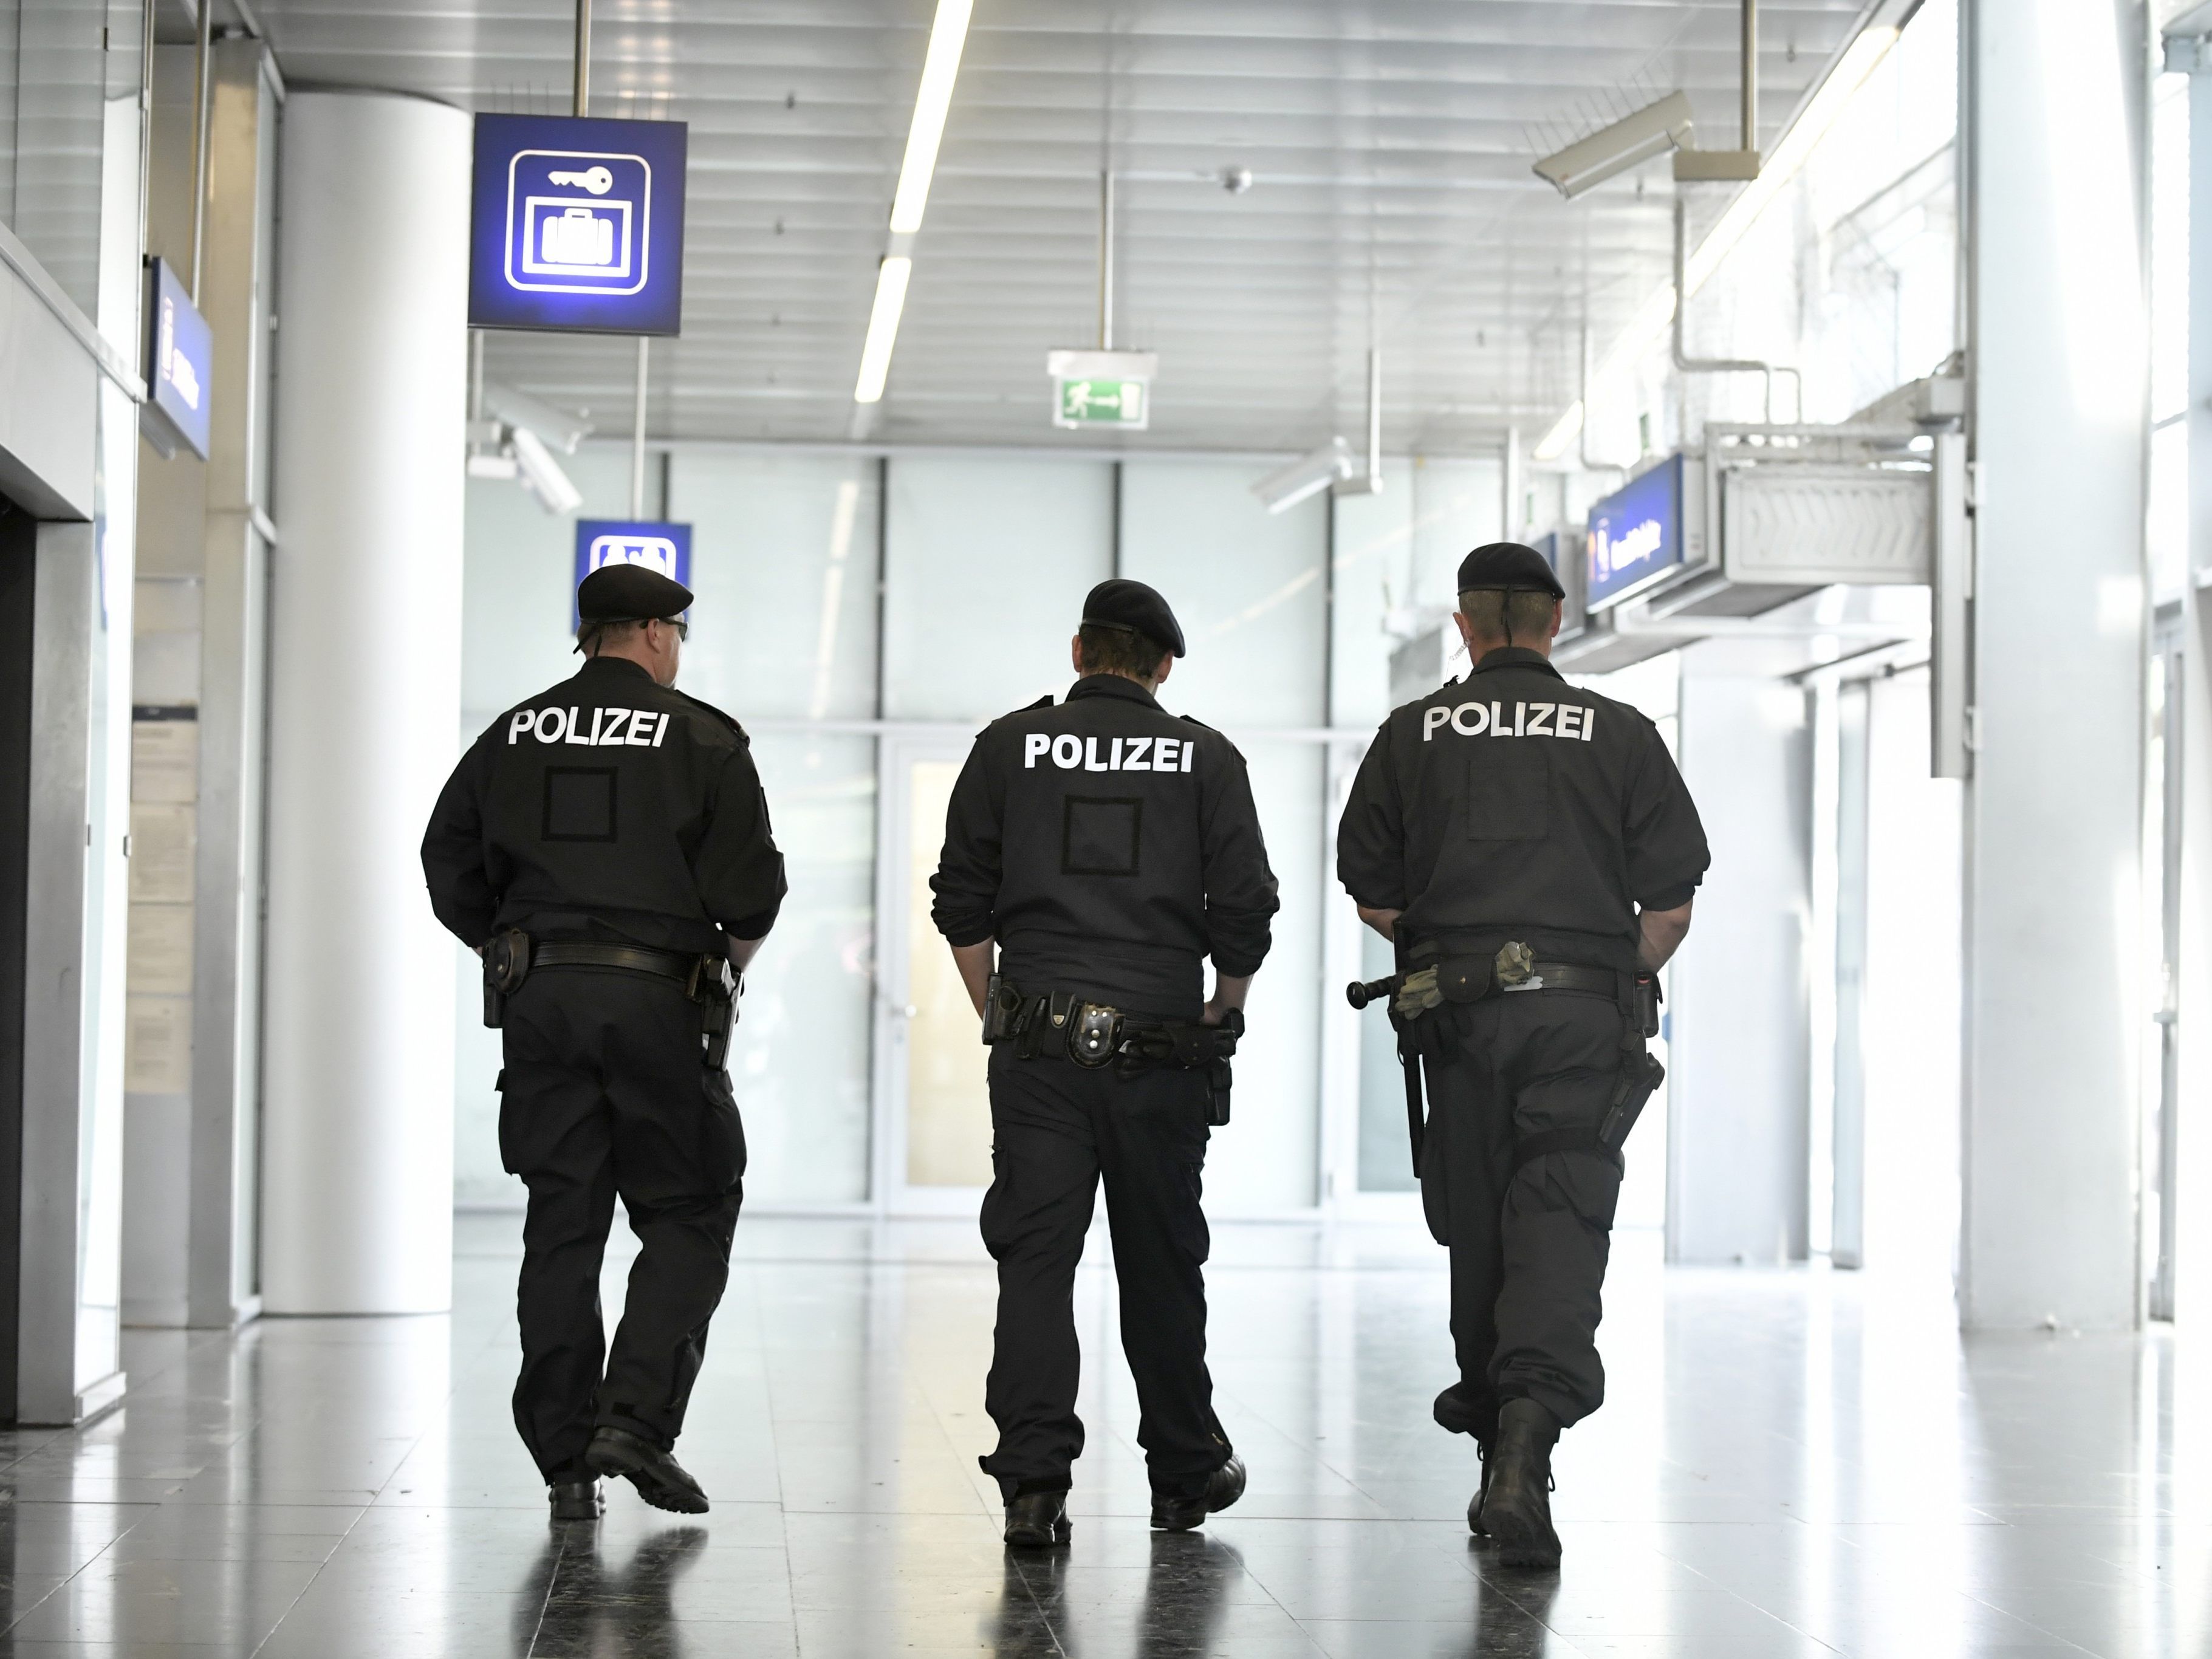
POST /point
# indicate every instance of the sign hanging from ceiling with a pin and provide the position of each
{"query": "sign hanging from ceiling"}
(577, 225)
(1635, 535)
(665, 548)
(1094, 389)
(180, 366)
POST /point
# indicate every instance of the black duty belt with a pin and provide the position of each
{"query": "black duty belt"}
(681, 966)
(1095, 1036)
(1431, 983)
(512, 956)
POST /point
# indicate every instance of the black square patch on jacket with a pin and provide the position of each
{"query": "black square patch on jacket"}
(1099, 837)
(580, 802)
(1509, 789)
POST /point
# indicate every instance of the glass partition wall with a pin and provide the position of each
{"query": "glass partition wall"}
(864, 616)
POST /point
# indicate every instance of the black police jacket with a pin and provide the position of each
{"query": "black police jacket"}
(608, 807)
(1108, 847)
(1509, 804)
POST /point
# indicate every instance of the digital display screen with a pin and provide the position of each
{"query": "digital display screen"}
(180, 359)
(577, 224)
(1635, 534)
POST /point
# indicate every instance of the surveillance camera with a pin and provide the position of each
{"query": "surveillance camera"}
(1308, 475)
(543, 476)
(1652, 130)
(1237, 180)
(520, 410)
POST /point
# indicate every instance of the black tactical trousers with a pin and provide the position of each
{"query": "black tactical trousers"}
(1057, 1129)
(603, 1093)
(1529, 1249)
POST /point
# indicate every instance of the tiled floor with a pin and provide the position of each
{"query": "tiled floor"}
(1792, 1464)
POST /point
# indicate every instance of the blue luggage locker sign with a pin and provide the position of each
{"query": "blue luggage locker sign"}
(665, 548)
(179, 361)
(577, 225)
(1636, 534)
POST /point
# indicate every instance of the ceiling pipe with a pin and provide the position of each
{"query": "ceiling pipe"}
(1750, 76)
(203, 89)
(1106, 260)
(1687, 364)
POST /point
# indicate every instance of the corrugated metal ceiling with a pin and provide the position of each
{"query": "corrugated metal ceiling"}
(1388, 141)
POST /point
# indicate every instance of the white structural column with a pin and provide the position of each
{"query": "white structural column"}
(2192, 712)
(2054, 1002)
(1741, 1033)
(365, 702)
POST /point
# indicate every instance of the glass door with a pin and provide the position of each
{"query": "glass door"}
(933, 1117)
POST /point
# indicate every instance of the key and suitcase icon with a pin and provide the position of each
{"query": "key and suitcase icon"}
(575, 236)
(578, 223)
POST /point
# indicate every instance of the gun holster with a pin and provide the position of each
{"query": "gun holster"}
(505, 965)
(716, 991)
(1002, 1010)
(1640, 1074)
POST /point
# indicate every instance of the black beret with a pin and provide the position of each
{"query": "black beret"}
(1509, 565)
(629, 593)
(1119, 604)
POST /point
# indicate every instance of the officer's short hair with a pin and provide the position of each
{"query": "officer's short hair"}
(1507, 613)
(1108, 650)
(594, 636)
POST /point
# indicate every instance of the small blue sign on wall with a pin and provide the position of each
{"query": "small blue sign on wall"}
(577, 225)
(1636, 534)
(180, 364)
(665, 548)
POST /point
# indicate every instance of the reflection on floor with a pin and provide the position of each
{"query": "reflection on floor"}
(1793, 1463)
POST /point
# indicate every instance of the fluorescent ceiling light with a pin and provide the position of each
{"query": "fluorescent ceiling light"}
(947, 36)
(891, 278)
(1789, 154)
(1554, 443)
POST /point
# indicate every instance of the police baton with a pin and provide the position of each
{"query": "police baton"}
(1375, 990)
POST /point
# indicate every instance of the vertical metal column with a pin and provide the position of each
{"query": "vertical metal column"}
(1106, 260)
(580, 102)
(203, 39)
(637, 435)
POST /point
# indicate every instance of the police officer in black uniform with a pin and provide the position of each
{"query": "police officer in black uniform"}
(1105, 848)
(1531, 850)
(605, 847)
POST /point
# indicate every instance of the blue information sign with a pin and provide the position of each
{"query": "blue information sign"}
(179, 362)
(1636, 534)
(577, 225)
(663, 547)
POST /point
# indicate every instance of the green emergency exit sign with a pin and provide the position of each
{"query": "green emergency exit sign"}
(1095, 389)
(1102, 403)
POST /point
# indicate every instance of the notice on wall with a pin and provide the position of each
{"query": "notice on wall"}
(165, 760)
(163, 839)
(157, 1045)
(160, 950)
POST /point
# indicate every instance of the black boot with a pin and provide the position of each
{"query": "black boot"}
(659, 1478)
(1517, 1504)
(1223, 1487)
(1038, 1520)
(1474, 1503)
(576, 1500)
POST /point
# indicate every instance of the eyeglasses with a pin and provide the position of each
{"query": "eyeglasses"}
(683, 628)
